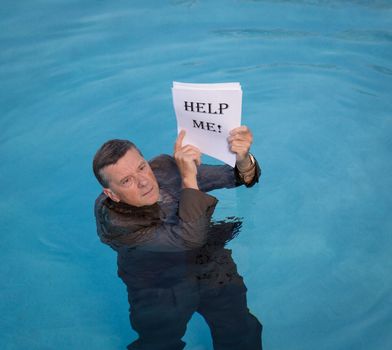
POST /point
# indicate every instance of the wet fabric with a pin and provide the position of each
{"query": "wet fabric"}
(179, 221)
(160, 314)
(168, 280)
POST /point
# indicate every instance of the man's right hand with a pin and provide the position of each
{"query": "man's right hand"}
(187, 158)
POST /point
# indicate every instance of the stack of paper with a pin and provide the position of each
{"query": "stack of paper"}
(207, 112)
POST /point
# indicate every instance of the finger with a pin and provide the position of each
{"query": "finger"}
(240, 137)
(196, 156)
(239, 151)
(240, 145)
(240, 129)
(238, 140)
(245, 142)
(243, 136)
(190, 156)
(198, 160)
(180, 138)
(187, 153)
(189, 148)
(239, 148)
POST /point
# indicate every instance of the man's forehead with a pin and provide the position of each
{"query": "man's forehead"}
(126, 164)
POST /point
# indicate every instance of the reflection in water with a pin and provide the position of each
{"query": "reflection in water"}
(165, 289)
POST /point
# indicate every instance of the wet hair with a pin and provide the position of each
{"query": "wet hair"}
(109, 153)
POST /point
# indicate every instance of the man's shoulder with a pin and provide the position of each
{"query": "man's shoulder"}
(162, 159)
(115, 219)
(102, 210)
(99, 202)
(107, 211)
(166, 171)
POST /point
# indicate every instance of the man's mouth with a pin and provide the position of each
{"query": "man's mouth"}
(148, 192)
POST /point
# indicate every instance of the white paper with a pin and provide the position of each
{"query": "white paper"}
(207, 112)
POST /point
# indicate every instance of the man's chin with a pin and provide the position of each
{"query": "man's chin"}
(151, 198)
(154, 199)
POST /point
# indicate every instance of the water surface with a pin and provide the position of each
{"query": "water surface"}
(316, 241)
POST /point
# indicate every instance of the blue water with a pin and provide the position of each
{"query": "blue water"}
(315, 250)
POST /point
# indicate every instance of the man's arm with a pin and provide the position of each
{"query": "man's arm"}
(246, 171)
(213, 177)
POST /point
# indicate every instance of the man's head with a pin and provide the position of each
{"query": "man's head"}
(124, 174)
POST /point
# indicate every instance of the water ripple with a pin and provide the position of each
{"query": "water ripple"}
(352, 35)
(193, 63)
(365, 35)
(189, 3)
(262, 33)
(284, 65)
(365, 92)
(381, 69)
(374, 4)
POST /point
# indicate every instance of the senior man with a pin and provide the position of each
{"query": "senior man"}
(157, 216)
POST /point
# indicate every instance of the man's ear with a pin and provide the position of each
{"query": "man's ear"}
(111, 195)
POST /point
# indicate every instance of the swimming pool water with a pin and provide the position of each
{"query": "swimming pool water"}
(315, 249)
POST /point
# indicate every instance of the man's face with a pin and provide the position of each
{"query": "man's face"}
(131, 180)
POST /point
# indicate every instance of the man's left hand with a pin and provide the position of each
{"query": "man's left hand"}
(240, 140)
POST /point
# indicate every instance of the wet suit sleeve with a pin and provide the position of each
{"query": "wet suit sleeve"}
(212, 177)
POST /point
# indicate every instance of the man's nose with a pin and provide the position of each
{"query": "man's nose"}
(142, 181)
